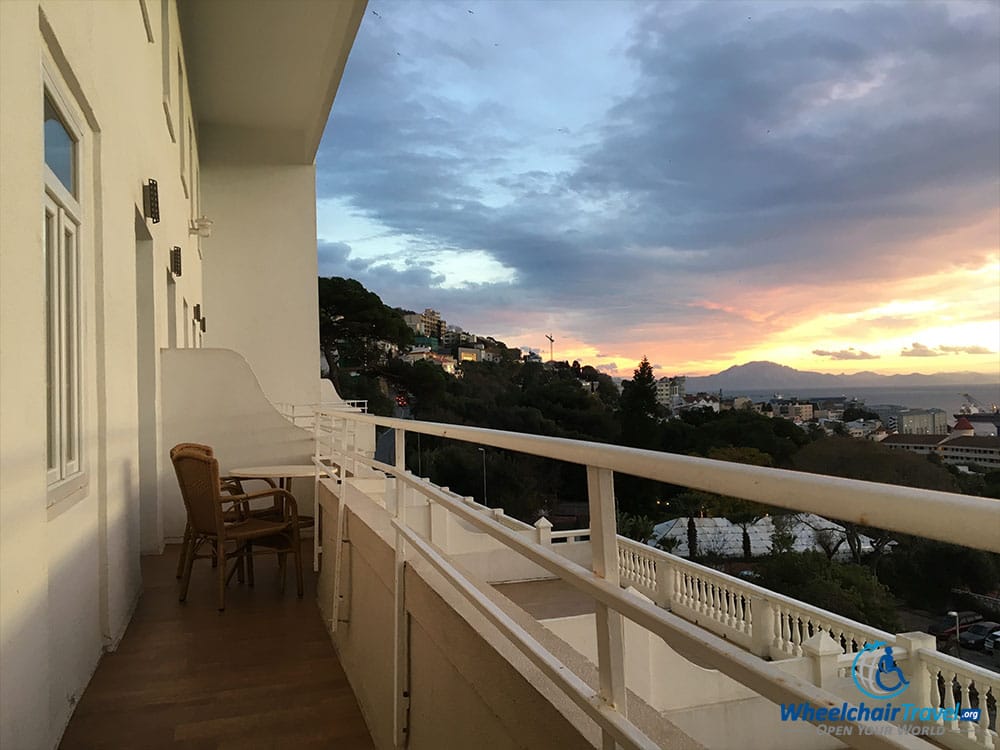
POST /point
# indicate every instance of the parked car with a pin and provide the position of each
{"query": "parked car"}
(992, 641)
(975, 636)
(945, 627)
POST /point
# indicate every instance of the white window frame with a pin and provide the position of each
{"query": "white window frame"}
(61, 253)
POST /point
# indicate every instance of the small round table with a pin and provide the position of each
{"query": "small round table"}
(284, 474)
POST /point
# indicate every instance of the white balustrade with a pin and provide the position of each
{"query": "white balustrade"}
(734, 608)
(950, 683)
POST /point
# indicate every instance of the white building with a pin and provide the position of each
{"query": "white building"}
(416, 322)
(99, 103)
(670, 391)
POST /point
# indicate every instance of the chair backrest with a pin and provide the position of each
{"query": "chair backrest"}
(197, 446)
(198, 477)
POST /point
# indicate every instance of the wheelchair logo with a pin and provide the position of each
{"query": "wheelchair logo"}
(876, 673)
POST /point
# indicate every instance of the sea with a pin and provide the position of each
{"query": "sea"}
(949, 397)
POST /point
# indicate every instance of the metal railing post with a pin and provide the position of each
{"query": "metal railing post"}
(610, 630)
(401, 627)
(317, 538)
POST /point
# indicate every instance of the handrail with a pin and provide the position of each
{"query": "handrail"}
(624, 731)
(945, 516)
(766, 678)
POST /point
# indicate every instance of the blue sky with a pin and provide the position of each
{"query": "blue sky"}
(703, 183)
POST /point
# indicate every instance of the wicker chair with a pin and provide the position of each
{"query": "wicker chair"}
(231, 531)
(231, 486)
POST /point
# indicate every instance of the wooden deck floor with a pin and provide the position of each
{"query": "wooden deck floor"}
(261, 675)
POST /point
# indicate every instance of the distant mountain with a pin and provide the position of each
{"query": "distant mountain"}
(759, 376)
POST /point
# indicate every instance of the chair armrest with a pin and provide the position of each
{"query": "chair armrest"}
(290, 509)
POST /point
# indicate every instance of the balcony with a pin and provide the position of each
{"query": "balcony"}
(628, 646)
(264, 674)
(456, 625)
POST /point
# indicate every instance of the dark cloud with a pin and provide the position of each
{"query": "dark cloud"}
(851, 353)
(765, 149)
(965, 349)
(332, 255)
(920, 350)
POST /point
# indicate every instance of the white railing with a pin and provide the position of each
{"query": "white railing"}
(303, 415)
(948, 517)
(769, 624)
(749, 616)
(947, 682)
(570, 536)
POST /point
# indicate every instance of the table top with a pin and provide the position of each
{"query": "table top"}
(280, 470)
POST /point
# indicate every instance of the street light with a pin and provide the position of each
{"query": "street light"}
(958, 629)
(483, 451)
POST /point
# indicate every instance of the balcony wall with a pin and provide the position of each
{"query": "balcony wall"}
(464, 692)
(261, 269)
(211, 396)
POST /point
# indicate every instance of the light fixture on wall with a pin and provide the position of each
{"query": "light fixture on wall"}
(204, 325)
(151, 201)
(202, 226)
(175, 261)
(197, 312)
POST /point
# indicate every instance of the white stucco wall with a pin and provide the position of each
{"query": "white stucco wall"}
(69, 567)
(261, 270)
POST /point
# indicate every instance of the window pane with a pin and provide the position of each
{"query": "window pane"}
(50, 342)
(69, 343)
(60, 148)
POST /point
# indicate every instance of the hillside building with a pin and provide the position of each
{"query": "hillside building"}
(670, 391)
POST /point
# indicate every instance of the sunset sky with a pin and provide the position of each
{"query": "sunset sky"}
(816, 184)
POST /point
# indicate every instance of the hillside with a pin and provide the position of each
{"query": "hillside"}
(770, 375)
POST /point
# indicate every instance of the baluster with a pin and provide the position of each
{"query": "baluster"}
(796, 625)
(786, 632)
(965, 688)
(777, 643)
(981, 728)
(949, 698)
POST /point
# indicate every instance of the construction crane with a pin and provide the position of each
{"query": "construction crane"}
(551, 342)
(972, 406)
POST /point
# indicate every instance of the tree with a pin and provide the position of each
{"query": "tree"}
(744, 513)
(638, 402)
(639, 528)
(846, 589)
(864, 459)
(692, 503)
(352, 320)
(638, 412)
